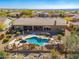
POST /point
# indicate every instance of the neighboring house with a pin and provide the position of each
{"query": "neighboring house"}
(68, 15)
(75, 23)
(52, 25)
(5, 23)
(55, 15)
(41, 14)
(75, 18)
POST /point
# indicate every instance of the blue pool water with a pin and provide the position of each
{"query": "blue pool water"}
(37, 41)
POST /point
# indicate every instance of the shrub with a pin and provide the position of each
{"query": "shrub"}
(5, 40)
(8, 36)
(17, 33)
(55, 54)
(2, 36)
(59, 37)
(3, 54)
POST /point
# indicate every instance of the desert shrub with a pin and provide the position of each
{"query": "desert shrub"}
(55, 54)
(8, 36)
(17, 33)
(59, 37)
(3, 54)
(5, 40)
(2, 36)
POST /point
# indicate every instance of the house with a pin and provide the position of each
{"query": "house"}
(75, 18)
(75, 23)
(55, 15)
(52, 25)
(68, 15)
(41, 14)
(5, 23)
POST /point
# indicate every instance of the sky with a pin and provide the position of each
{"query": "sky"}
(40, 4)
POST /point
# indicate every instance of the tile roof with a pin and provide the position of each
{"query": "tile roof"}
(75, 23)
(39, 21)
(76, 16)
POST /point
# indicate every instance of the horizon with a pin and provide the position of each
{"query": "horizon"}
(39, 4)
(39, 9)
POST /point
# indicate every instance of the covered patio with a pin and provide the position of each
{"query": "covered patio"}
(30, 25)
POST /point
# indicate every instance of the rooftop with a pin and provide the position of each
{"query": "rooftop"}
(76, 16)
(75, 23)
(39, 21)
(2, 19)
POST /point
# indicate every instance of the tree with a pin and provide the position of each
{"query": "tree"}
(61, 12)
(67, 19)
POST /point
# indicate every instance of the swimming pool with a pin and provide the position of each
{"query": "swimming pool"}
(37, 41)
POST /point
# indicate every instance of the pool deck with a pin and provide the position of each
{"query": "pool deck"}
(16, 40)
(28, 36)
